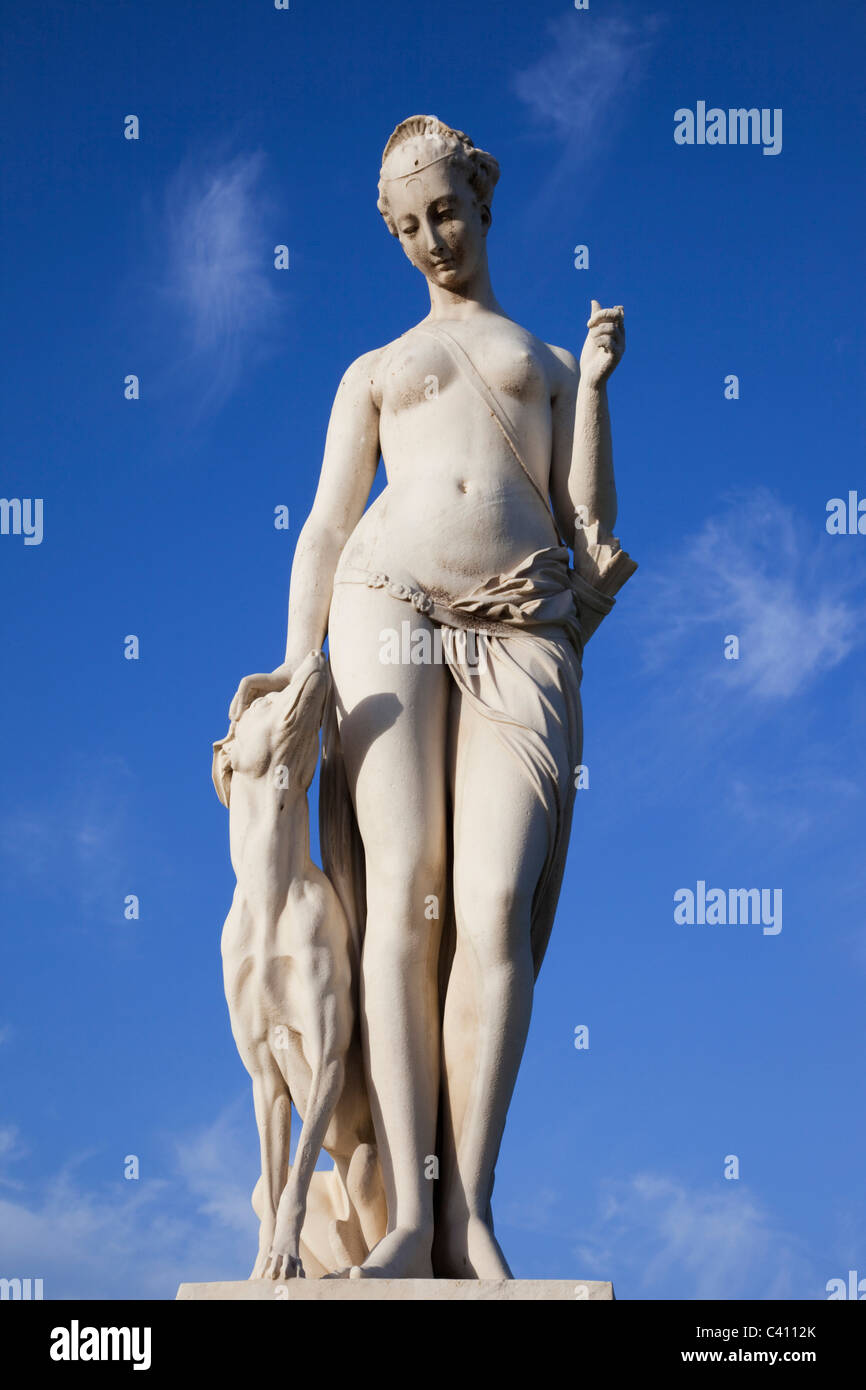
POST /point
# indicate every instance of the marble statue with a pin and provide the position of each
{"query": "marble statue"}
(290, 964)
(403, 975)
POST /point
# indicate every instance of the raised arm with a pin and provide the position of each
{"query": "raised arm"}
(582, 482)
(348, 469)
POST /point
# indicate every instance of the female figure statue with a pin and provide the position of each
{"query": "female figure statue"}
(453, 762)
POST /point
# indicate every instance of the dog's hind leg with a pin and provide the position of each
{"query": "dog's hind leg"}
(273, 1107)
(325, 1088)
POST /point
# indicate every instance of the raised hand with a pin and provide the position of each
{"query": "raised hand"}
(605, 343)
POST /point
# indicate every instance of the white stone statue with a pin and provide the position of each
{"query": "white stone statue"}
(452, 730)
(290, 963)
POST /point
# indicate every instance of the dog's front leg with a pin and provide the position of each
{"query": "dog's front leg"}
(326, 1085)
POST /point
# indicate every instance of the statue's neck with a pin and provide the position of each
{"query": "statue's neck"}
(476, 296)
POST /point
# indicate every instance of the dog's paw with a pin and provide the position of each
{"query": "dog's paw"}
(281, 1266)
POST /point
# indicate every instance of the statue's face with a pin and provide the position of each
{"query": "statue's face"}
(440, 225)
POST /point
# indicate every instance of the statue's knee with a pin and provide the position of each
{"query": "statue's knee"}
(497, 910)
(404, 891)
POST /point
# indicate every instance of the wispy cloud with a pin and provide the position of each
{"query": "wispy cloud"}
(219, 267)
(577, 89)
(212, 1163)
(711, 728)
(769, 578)
(716, 1242)
(136, 1239)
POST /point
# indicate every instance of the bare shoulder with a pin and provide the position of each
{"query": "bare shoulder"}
(566, 372)
(366, 375)
(563, 372)
(361, 373)
(559, 364)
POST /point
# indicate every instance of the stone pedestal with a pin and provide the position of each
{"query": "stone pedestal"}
(404, 1290)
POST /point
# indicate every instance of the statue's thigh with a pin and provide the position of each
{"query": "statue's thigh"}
(501, 838)
(393, 718)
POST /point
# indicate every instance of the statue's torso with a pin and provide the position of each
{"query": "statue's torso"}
(457, 507)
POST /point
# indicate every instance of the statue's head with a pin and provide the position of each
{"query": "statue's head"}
(435, 190)
(277, 729)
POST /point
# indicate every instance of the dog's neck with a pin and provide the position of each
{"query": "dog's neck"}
(269, 831)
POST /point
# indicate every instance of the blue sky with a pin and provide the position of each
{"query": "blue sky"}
(155, 257)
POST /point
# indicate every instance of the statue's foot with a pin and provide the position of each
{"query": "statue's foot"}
(403, 1254)
(468, 1249)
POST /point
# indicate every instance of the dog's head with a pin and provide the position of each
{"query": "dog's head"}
(277, 729)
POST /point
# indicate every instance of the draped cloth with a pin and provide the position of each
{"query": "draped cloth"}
(521, 674)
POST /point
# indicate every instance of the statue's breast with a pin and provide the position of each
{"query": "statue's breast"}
(420, 368)
(510, 366)
(416, 372)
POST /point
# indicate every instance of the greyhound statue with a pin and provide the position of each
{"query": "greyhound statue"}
(291, 980)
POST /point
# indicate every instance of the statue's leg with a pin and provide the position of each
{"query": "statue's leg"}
(364, 1187)
(350, 1141)
(393, 722)
(501, 840)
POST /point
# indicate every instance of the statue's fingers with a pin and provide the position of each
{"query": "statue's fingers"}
(605, 316)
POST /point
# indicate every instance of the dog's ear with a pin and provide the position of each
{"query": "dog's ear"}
(221, 768)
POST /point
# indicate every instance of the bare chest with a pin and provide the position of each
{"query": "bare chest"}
(421, 368)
